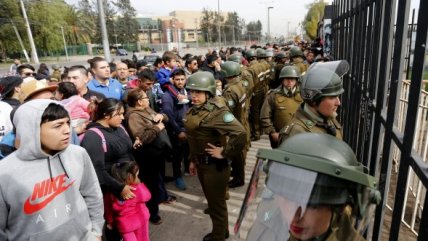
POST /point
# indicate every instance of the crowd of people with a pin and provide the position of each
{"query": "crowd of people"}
(126, 121)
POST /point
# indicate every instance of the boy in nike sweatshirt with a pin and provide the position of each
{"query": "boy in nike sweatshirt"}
(48, 188)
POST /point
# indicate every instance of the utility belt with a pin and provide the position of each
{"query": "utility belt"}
(204, 159)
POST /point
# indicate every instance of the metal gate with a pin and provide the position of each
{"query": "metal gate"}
(384, 115)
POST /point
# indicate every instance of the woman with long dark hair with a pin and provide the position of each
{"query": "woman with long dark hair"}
(107, 143)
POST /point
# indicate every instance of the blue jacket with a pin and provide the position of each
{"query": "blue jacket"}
(175, 113)
(163, 76)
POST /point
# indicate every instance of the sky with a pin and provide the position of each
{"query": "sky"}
(283, 16)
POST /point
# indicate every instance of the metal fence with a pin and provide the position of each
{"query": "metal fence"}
(384, 117)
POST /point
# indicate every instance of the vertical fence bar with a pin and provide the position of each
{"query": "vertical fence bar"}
(386, 8)
(413, 105)
(396, 77)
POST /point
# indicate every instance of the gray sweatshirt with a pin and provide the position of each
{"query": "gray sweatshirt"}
(44, 197)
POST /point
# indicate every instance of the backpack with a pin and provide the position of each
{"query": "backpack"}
(101, 135)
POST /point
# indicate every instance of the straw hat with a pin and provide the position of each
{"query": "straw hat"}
(32, 87)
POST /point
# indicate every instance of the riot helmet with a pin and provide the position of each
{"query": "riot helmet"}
(261, 53)
(323, 79)
(230, 69)
(202, 81)
(296, 52)
(251, 53)
(289, 72)
(235, 58)
(281, 55)
(308, 172)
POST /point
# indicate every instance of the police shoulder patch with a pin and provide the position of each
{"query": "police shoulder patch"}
(231, 103)
(309, 123)
(228, 117)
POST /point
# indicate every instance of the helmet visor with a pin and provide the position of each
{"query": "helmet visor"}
(339, 67)
(286, 209)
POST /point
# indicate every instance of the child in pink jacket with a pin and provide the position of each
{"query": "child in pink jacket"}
(78, 107)
(131, 216)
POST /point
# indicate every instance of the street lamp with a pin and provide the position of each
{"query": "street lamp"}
(218, 24)
(269, 8)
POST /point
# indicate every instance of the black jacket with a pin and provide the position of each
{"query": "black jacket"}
(119, 147)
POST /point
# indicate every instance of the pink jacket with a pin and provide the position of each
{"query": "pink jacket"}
(77, 106)
(131, 214)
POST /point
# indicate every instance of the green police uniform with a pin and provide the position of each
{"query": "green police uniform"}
(211, 123)
(276, 71)
(296, 56)
(305, 120)
(278, 109)
(299, 62)
(256, 99)
(236, 99)
(247, 76)
(321, 80)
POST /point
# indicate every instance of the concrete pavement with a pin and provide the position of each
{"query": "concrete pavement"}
(184, 220)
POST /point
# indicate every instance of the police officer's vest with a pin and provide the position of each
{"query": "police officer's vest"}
(302, 122)
(298, 62)
(237, 106)
(266, 70)
(248, 77)
(259, 75)
(199, 137)
(284, 107)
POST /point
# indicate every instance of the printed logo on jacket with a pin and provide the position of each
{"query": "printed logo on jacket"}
(45, 192)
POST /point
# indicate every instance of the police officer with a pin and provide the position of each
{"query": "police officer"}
(263, 70)
(257, 97)
(281, 104)
(297, 59)
(208, 123)
(248, 77)
(320, 89)
(315, 190)
(247, 74)
(236, 99)
(281, 60)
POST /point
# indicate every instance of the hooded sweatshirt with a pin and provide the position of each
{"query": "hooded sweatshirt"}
(44, 197)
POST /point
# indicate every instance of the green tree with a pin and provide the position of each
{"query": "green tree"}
(254, 30)
(210, 23)
(10, 17)
(126, 26)
(314, 15)
(77, 30)
(46, 19)
(233, 25)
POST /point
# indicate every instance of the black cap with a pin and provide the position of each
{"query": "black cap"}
(7, 84)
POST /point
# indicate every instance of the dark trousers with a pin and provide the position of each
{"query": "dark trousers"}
(214, 184)
(152, 168)
(256, 106)
(180, 154)
(238, 167)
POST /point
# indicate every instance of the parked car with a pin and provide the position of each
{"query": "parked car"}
(121, 52)
(150, 59)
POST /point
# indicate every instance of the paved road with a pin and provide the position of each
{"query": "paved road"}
(185, 220)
